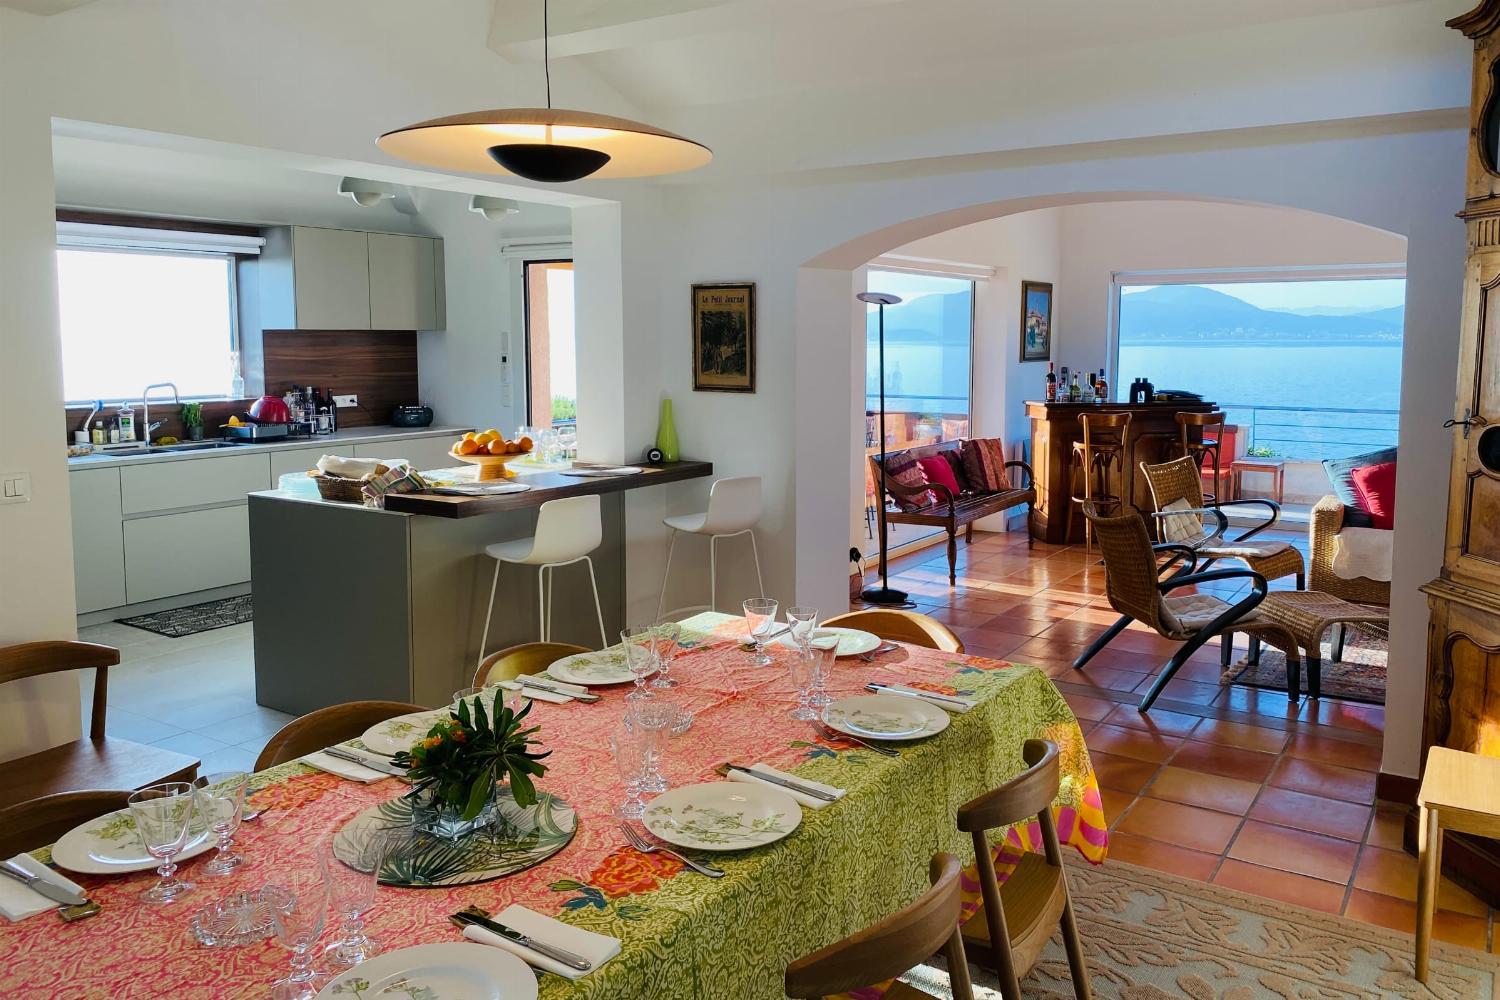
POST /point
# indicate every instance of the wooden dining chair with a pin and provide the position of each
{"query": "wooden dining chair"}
(902, 626)
(38, 822)
(328, 726)
(1010, 929)
(527, 658)
(901, 941)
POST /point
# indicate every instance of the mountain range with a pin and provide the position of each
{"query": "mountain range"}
(1178, 313)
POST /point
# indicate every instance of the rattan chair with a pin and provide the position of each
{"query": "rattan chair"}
(902, 626)
(1326, 522)
(327, 726)
(527, 658)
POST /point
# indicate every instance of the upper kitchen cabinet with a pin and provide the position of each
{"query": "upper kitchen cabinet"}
(341, 279)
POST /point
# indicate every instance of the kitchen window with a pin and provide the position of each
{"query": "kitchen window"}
(551, 362)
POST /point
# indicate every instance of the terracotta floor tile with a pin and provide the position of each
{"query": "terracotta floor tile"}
(1071, 630)
(1123, 774)
(1325, 779)
(1289, 887)
(1088, 707)
(958, 616)
(1155, 721)
(1295, 851)
(1345, 715)
(1099, 678)
(1400, 915)
(1328, 750)
(1115, 804)
(1394, 873)
(1180, 689)
(1160, 856)
(1183, 826)
(990, 642)
(1236, 734)
(1231, 762)
(1315, 814)
(1387, 830)
(986, 603)
(1145, 642)
(1211, 791)
(1133, 743)
(1252, 701)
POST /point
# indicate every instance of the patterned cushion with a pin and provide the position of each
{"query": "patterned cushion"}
(984, 465)
(1183, 528)
(1183, 616)
(908, 472)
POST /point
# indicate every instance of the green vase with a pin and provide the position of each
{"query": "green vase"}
(666, 434)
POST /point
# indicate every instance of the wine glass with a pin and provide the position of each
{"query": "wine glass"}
(221, 801)
(163, 817)
(803, 667)
(666, 649)
(629, 745)
(825, 647)
(351, 872)
(802, 620)
(299, 910)
(760, 619)
(653, 717)
(639, 642)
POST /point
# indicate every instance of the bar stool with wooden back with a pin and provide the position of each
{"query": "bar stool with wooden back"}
(1099, 460)
(1206, 449)
(900, 942)
(1010, 929)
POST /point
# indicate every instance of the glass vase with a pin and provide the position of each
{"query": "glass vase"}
(445, 820)
(666, 434)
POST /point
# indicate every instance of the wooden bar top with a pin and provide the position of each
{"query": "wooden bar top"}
(544, 486)
(1041, 410)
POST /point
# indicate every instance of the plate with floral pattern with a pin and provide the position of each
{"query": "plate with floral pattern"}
(886, 717)
(395, 735)
(109, 845)
(852, 641)
(448, 971)
(593, 669)
(722, 816)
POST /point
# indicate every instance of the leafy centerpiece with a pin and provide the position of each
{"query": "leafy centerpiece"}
(456, 769)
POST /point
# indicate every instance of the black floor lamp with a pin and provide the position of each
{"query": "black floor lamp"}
(882, 594)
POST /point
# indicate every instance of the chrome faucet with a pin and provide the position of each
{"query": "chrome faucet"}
(146, 425)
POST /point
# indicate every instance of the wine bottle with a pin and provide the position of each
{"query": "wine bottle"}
(1051, 382)
(1101, 388)
(1075, 391)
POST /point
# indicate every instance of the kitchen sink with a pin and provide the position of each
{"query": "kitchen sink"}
(157, 449)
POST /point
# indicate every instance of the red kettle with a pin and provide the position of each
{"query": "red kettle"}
(270, 410)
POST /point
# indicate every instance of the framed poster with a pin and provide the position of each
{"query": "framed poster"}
(1036, 321)
(724, 337)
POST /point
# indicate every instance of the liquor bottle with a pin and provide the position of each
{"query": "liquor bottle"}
(1051, 382)
(1062, 384)
(1075, 391)
(1101, 388)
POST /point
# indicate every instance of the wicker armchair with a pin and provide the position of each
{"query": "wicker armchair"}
(1327, 521)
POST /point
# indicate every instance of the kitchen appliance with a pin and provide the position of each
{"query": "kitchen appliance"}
(270, 410)
(411, 416)
(256, 432)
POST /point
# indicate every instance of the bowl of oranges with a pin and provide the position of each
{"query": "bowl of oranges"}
(491, 451)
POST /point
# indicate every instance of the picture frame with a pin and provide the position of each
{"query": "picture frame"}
(1036, 321)
(724, 337)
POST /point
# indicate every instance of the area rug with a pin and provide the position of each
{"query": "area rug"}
(195, 618)
(1152, 936)
(1359, 676)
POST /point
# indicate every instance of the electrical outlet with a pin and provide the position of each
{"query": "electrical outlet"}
(350, 400)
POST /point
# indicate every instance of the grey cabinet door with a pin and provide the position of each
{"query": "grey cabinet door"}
(98, 544)
(331, 269)
(403, 282)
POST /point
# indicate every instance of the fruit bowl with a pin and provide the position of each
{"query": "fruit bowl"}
(491, 467)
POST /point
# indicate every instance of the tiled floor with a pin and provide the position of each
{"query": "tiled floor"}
(1224, 784)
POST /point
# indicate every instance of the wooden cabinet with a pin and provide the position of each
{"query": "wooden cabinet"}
(342, 279)
(98, 544)
(174, 554)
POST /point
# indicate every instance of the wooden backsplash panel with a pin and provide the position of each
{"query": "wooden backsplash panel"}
(381, 368)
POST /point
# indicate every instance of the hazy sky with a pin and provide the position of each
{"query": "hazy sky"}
(1370, 293)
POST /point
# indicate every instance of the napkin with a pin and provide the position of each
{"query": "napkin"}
(17, 901)
(812, 802)
(595, 948)
(347, 468)
(344, 768)
(536, 694)
(940, 702)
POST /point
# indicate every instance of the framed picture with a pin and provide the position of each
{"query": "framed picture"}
(724, 337)
(1036, 321)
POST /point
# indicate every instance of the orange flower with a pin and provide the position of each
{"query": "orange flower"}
(460, 735)
(628, 872)
(432, 741)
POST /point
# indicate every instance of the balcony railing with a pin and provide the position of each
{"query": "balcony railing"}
(1313, 433)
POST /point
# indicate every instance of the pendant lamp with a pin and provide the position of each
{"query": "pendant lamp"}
(551, 145)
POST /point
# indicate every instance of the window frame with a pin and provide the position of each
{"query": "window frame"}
(526, 262)
(973, 276)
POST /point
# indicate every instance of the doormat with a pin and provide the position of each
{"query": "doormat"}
(195, 618)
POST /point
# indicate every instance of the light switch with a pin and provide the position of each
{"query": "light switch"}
(15, 487)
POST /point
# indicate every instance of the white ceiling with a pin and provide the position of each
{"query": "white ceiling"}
(44, 7)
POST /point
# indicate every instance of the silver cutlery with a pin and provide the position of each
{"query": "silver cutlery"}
(526, 681)
(919, 695)
(828, 732)
(43, 885)
(750, 643)
(790, 783)
(884, 647)
(640, 843)
(552, 951)
(339, 753)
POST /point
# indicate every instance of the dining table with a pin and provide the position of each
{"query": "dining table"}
(683, 936)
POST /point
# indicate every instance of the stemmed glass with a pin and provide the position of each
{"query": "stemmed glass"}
(351, 886)
(163, 817)
(803, 667)
(760, 621)
(221, 801)
(629, 745)
(824, 645)
(639, 642)
(666, 648)
(652, 718)
(802, 620)
(299, 908)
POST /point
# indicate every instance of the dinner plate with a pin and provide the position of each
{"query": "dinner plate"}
(722, 816)
(593, 669)
(109, 845)
(447, 971)
(852, 641)
(886, 717)
(400, 733)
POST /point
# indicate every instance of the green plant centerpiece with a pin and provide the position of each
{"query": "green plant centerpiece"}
(192, 420)
(456, 769)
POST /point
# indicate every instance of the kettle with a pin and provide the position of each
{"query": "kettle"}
(270, 410)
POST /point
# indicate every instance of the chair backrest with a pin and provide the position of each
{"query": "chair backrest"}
(902, 626)
(1027, 795)
(38, 822)
(527, 658)
(903, 940)
(733, 505)
(1105, 428)
(1171, 482)
(1212, 424)
(566, 529)
(30, 659)
(328, 726)
(1130, 569)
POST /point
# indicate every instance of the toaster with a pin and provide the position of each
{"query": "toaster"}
(411, 416)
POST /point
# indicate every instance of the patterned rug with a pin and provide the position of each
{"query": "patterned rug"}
(1359, 676)
(195, 618)
(1150, 936)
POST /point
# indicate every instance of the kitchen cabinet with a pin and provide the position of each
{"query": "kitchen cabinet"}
(343, 279)
(98, 543)
(301, 460)
(403, 282)
(194, 482)
(422, 453)
(173, 554)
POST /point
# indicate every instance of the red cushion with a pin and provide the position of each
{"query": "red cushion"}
(940, 472)
(1376, 488)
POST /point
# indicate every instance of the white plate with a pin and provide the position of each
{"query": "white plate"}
(594, 473)
(109, 845)
(449, 971)
(400, 733)
(594, 669)
(886, 717)
(722, 816)
(852, 641)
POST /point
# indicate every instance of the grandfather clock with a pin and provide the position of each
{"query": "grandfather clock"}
(1463, 644)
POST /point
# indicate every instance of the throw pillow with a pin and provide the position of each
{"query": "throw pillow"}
(1339, 472)
(954, 458)
(1181, 528)
(984, 464)
(1376, 485)
(940, 473)
(908, 473)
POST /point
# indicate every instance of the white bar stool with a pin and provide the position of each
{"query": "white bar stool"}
(566, 532)
(734, 505)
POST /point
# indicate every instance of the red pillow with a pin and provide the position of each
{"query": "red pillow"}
(939, 471)
(1376, 487)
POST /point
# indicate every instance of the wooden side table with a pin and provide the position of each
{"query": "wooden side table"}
(1275, 467)
(1460, 791)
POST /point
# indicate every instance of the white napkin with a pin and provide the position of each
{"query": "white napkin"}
(17, 901)
(347, 468)
(595, 948)
(927, 696)
(563, 685)
(598, 473)
(812, 802)
(343, 768)
(536, 694)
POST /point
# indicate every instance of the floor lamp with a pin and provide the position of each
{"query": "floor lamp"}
(882, 594)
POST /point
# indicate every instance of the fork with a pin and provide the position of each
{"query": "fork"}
(885, 647)
(640, 843)
(828, 732)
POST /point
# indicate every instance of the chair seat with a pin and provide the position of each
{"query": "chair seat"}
(1191, 613)
(1033, 901)
(691, 523)
(517, 551)
(106, 763)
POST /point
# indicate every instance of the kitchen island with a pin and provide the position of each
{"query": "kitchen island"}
(354, 603)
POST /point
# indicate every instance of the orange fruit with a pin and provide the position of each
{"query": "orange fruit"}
(526, 444)
(513, 448)
(470, 435)
(468, 446)
(497, 447)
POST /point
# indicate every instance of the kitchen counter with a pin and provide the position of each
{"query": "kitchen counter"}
(328, 442)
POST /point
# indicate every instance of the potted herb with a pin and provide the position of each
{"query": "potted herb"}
(463, 760)
(192, 419)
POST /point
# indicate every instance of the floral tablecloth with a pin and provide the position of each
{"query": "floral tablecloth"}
(684, 936)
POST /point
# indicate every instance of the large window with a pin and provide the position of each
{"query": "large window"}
(130, 318)
(552, 364)
(1309, 367)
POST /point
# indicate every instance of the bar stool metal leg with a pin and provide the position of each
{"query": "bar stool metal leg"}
(598, 609)
(488, 614)
(666, 573)
(755, 554)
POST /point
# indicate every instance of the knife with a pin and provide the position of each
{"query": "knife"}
(793, 784)
(553, 952)
(42, 885)
(340, 753)
(572, 690)
(923, 696)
